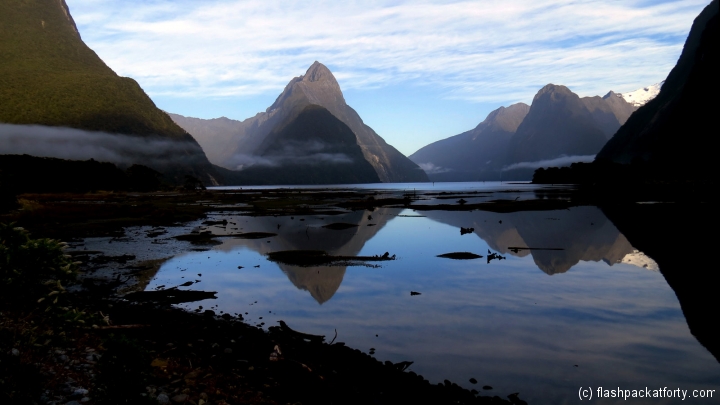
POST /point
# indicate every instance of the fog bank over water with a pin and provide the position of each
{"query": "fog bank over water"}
(556, 162)
(76, 144)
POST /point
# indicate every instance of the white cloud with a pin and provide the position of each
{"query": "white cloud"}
(492, 51)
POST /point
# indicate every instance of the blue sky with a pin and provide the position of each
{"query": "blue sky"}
(416, 72)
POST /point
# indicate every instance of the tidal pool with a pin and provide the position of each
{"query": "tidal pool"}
(583, 309)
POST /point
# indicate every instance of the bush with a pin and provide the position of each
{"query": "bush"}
(32, 269)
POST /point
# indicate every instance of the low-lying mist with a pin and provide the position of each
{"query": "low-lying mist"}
(431, 168)
(76, 144)
(556, 162)
(292, 153)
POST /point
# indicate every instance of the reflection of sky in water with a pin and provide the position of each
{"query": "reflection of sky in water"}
(507, 324)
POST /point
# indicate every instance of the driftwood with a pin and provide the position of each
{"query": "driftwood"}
(460, 256)
(304, 336)
(171, 296)
(320, 257)
(516, 249)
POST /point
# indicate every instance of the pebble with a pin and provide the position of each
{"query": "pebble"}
(180, 398)
(72, 403)
(163, 399)
(228, 351)
(15, 352)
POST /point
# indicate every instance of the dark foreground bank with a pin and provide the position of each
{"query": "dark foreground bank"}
(145, 353)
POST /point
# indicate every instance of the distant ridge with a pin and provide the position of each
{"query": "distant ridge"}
(478, 154)
(511, 142)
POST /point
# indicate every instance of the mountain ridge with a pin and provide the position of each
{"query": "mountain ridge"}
(558, 123)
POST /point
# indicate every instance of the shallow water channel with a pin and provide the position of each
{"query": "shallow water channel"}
(584, 309)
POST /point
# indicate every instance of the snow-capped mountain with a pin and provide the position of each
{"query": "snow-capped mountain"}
(641, 96)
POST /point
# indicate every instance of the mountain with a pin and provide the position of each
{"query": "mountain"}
(609, 111)
(51, 78)
(313, 147)
(641, 96)
(669, 133)
(237, 144)
(512, 141)
(558, 123)
(478, 154)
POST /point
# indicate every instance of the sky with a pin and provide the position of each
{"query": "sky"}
(415, 71)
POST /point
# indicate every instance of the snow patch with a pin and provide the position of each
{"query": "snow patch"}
(643, 95)
(639, 259)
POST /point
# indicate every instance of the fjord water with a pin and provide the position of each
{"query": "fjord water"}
(543, 322)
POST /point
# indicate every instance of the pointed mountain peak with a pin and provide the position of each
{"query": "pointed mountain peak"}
(317, 86)
(318, 72)
(610, 94)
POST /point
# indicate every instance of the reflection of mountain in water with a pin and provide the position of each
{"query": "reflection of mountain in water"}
(584, 233)
(670, 234)
(321, 281)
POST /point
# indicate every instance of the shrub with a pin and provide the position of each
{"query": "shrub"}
(32, 269)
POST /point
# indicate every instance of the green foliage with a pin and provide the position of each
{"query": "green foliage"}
(32, 269)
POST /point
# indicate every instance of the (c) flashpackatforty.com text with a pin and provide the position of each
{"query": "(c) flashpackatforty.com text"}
(590, 393)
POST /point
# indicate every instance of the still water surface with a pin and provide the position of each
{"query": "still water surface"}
(541, 322)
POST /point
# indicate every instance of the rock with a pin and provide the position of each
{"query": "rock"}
(163, 399)
(15, 352)
(487, 387)
(473, 381)
(228, 351)
(180, 398)
(72, 403)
